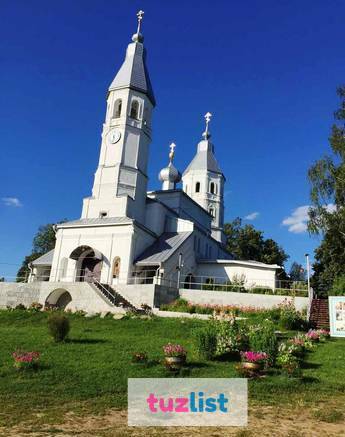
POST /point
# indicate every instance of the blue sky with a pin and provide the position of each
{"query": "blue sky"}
(267, 70)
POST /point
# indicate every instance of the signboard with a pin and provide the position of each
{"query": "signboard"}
(337, 315)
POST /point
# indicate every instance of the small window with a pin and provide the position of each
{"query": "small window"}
(146, 117)
(211, 211)
(186, 189)
(103, 214)
(213, 188)
(197, 187)
(117, 108)
(134, 110)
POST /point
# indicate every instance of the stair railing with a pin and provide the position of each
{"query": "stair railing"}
(110, 296)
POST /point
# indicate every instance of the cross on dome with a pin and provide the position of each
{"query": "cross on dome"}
(207, 116)
(140, 16)
(172, 151)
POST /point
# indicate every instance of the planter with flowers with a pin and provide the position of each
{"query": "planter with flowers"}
(254, 361)
(26, 360)
(175, 356)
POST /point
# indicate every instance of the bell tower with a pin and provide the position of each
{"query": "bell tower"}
(120, 182)
(204, 181)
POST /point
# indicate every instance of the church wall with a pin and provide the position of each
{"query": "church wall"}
(188, 260)
(111, 241)
(155, 217)
(85, 296)
(254, 275)
(204, 297)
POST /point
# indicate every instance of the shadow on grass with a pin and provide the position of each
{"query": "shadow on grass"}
(309, 379)
(85, 340)
(308, 365)
(230, 356)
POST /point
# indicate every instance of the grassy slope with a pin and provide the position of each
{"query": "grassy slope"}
(89, 373)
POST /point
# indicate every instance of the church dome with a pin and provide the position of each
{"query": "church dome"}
(170, 174)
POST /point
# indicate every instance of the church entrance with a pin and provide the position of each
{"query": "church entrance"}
(90, 270)
(89, 264)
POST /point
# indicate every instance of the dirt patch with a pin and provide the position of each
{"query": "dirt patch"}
(263, 421)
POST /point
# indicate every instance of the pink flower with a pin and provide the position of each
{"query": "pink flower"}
(254, 357)
(174, 350)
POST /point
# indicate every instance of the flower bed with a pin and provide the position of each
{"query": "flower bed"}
(26, 360)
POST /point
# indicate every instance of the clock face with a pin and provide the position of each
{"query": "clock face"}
(114, 136)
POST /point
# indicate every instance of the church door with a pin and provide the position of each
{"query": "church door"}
(91, 269)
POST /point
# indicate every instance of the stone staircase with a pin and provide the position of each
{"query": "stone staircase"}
(319, 313)
(113, 297)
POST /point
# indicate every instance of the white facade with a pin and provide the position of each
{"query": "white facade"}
(204, 182)
(127, 235)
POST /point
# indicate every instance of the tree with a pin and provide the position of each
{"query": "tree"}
(297, 272)
(248, 243)
(43, 242)
(327, 213)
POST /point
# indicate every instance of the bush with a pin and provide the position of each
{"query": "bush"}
(230, 336)
(35, 307)
(59, 326)
(261, 290)
(338, 288)
(263, 339)
(289, 363)
(205, 342)
(290, 318)
(20, 306)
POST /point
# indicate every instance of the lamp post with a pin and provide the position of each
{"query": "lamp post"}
(310, 296)
(308, 272)
(179, 268)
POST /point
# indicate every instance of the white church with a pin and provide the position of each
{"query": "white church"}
(128, 236)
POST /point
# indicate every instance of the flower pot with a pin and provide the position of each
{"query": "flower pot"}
(251, 366)
(175, 363)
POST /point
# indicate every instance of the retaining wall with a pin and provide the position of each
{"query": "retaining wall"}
(239, 299)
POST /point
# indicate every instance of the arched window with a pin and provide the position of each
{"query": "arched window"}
(197, 187)
(117, 108)
(134, 109)
(213, 188)
(116, 267)
(211, 211)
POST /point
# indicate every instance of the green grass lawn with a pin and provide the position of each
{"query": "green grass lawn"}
(88, 373)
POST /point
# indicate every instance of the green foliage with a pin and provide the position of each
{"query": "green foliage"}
(59, 326)
(263, 339)
(43, 242)
(261, 290)
(290, 318)
(289, 363)
(205, 342)
(338, 288)
(35, 307)
(297, 272)
(89, 375)
(327, 213)
(246, 242)
(231, 337)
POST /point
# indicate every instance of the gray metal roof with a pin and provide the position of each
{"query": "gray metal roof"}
(96, 221)
(133, 72)
(162, 249)
(44, 260)
(204, 160)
